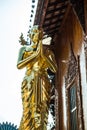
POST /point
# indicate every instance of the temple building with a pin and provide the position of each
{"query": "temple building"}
(65, 21)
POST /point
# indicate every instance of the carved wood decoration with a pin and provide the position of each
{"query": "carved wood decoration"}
(73, 78)
(85, 48)
(72, 68)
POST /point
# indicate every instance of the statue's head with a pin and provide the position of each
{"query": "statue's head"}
(36, 33)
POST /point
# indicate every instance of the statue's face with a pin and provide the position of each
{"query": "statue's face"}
(36, 34)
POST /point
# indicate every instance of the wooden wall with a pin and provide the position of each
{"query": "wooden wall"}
(71, 33)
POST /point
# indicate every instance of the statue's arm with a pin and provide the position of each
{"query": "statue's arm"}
(51, 61)
(52, 65)
(22, 62)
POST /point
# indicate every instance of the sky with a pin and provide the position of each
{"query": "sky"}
(14, 19)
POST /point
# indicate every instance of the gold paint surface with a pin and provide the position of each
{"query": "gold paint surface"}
(36, 85)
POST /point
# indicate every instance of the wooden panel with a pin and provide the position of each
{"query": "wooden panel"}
(55, 16)
(71, 32)
(78, 6)
(57, 9)
(85, 10)
(50, 12)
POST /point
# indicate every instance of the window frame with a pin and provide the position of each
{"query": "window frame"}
(75, 82)
(68, 109)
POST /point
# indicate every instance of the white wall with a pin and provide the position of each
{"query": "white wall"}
(84, 85)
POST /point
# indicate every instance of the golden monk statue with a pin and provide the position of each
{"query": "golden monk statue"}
(36, 85)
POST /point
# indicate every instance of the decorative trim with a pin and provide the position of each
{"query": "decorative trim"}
(73, 77)
(72, 68)
(40, 12)
(85, 49)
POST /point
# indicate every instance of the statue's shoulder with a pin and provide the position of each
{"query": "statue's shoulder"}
(21, 52)
(22, 49)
